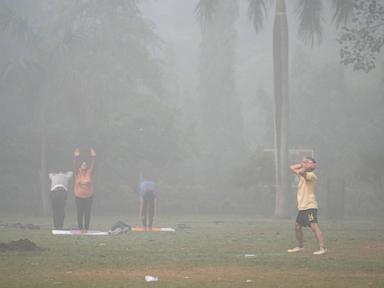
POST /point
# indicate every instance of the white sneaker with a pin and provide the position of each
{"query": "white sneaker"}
(296, 249)
(322, 251)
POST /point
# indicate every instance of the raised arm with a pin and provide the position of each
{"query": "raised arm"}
(93, 159)
(76, 162)
(298, 169)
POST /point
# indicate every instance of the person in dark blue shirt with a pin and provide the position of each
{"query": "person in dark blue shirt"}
(148, 203)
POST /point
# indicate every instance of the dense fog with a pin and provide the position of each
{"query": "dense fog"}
(197, 96)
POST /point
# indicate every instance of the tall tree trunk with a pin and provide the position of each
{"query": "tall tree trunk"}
(43, 157)
(281, 117)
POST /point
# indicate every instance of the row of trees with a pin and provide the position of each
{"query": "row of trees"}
(360, 44)
(89, 73)
(80, 74)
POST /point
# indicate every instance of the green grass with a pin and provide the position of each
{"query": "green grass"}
(210, 254)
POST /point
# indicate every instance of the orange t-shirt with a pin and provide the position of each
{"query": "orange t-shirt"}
(83, 184)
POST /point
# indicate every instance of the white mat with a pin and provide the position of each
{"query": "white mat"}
(79, 232)
(103, 233)
(154, 229)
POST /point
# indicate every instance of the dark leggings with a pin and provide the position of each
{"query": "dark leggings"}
(83, 206)
(148, 208)
(59, 199)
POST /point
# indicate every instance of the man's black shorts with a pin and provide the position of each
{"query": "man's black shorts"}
(306, 217)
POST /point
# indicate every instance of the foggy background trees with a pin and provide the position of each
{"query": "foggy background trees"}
(182, 91)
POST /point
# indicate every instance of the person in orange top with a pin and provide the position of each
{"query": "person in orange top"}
(84, 189)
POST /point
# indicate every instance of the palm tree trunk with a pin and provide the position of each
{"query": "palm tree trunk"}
(281, 117)
(43, 157)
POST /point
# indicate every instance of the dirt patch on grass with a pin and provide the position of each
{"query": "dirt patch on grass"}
(19, 245)
(373, 247)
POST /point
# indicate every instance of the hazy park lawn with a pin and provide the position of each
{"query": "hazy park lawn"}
(209, 253)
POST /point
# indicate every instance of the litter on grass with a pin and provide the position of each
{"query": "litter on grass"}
(149, 278)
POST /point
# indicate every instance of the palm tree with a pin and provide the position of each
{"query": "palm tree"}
(310, 29)
(281, 104)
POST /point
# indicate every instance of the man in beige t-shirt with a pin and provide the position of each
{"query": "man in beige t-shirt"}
(307, 204)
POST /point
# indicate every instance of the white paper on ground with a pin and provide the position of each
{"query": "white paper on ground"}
(150, 278)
